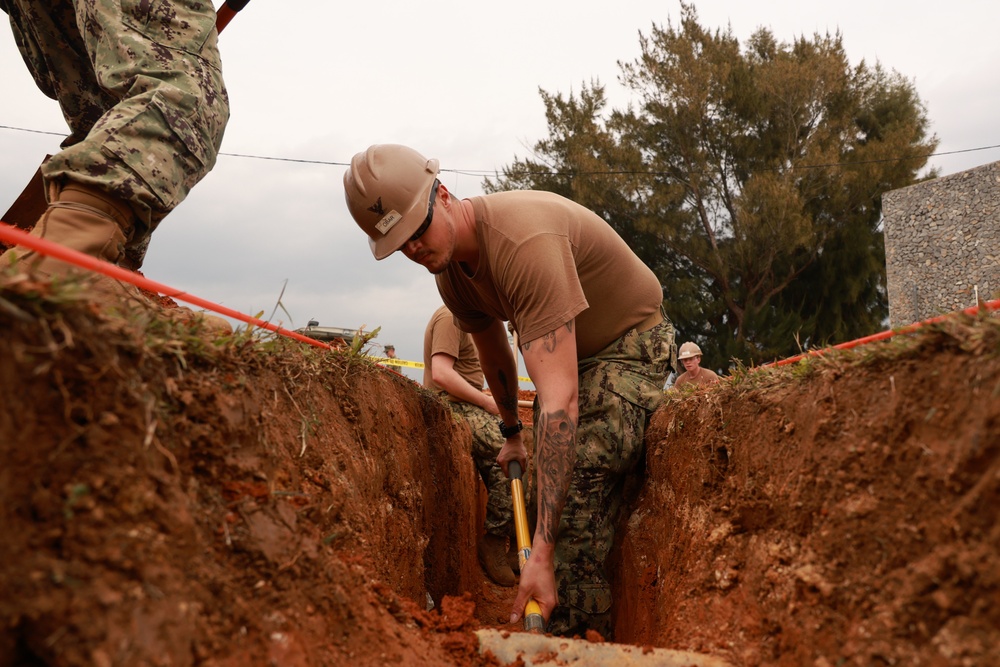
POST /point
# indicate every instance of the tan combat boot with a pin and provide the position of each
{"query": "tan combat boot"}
(492, 551)
(90, 221)
(80, 218)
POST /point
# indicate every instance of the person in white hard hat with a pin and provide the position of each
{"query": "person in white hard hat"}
(595, 341)
(690, 356)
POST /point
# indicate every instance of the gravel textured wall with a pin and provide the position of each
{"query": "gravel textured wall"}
(942, 242)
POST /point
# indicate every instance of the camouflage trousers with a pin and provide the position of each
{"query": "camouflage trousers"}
(486, 445)
(140, 85)
(620, 387)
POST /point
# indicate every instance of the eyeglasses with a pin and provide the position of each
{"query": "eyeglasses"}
(430, 213)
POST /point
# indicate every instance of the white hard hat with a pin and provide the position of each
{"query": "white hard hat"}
(689, 350)
(388, 189)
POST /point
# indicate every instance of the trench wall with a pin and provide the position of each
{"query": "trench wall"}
(942, 244)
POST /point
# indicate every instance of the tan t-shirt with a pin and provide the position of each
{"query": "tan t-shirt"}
(704, 377)
(442, 336)
(543, 261)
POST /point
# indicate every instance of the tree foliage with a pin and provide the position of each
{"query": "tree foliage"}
(749, 178)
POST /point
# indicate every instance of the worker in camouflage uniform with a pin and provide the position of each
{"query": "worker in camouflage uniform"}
(451, 369)
(140, 85)
(595, 341)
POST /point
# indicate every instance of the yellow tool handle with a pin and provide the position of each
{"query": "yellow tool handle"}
(533, 621)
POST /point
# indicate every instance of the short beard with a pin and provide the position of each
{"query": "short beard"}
(451, 252)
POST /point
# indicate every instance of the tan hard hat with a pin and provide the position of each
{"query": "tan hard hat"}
(388, 189)
(689, 350)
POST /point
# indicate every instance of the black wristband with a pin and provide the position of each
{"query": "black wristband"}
(510, 431)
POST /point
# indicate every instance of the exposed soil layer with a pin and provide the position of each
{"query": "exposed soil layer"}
(838, 511)
(169, 500)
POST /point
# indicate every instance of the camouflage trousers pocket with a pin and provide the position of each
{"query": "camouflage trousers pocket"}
(176, 143)
(174, 24)
(591, 598)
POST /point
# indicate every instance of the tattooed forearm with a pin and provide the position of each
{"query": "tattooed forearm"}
(555, 458)
(507, 397)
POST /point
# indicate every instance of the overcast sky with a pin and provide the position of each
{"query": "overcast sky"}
(314, 82)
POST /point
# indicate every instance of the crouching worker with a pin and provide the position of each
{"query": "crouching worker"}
(451, 368)
(595, 342)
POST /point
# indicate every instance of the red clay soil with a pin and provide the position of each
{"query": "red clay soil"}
(166, 500)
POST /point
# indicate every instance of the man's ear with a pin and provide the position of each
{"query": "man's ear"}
(443, 196)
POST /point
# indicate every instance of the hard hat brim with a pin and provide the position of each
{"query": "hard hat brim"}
(405, 228)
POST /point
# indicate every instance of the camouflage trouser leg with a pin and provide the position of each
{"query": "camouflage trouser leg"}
(620, 387)
(140, 84)
(486, 445)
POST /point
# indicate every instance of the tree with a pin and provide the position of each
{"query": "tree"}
(748, 178)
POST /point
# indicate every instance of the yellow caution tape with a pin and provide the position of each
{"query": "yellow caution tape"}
(386, 361)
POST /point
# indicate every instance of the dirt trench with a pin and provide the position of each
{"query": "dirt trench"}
(166, 500)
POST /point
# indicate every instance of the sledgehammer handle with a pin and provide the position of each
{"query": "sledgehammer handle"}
(533, 621)
(227, 11)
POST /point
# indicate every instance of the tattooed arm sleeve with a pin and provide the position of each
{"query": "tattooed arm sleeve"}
(552, 365)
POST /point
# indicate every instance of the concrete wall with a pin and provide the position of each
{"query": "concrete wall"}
(942, 241)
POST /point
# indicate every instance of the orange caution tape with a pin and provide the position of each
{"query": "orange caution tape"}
(910, 328)
(13, 236)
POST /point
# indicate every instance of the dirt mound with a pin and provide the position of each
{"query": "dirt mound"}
(169, 500)
(840, 511)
